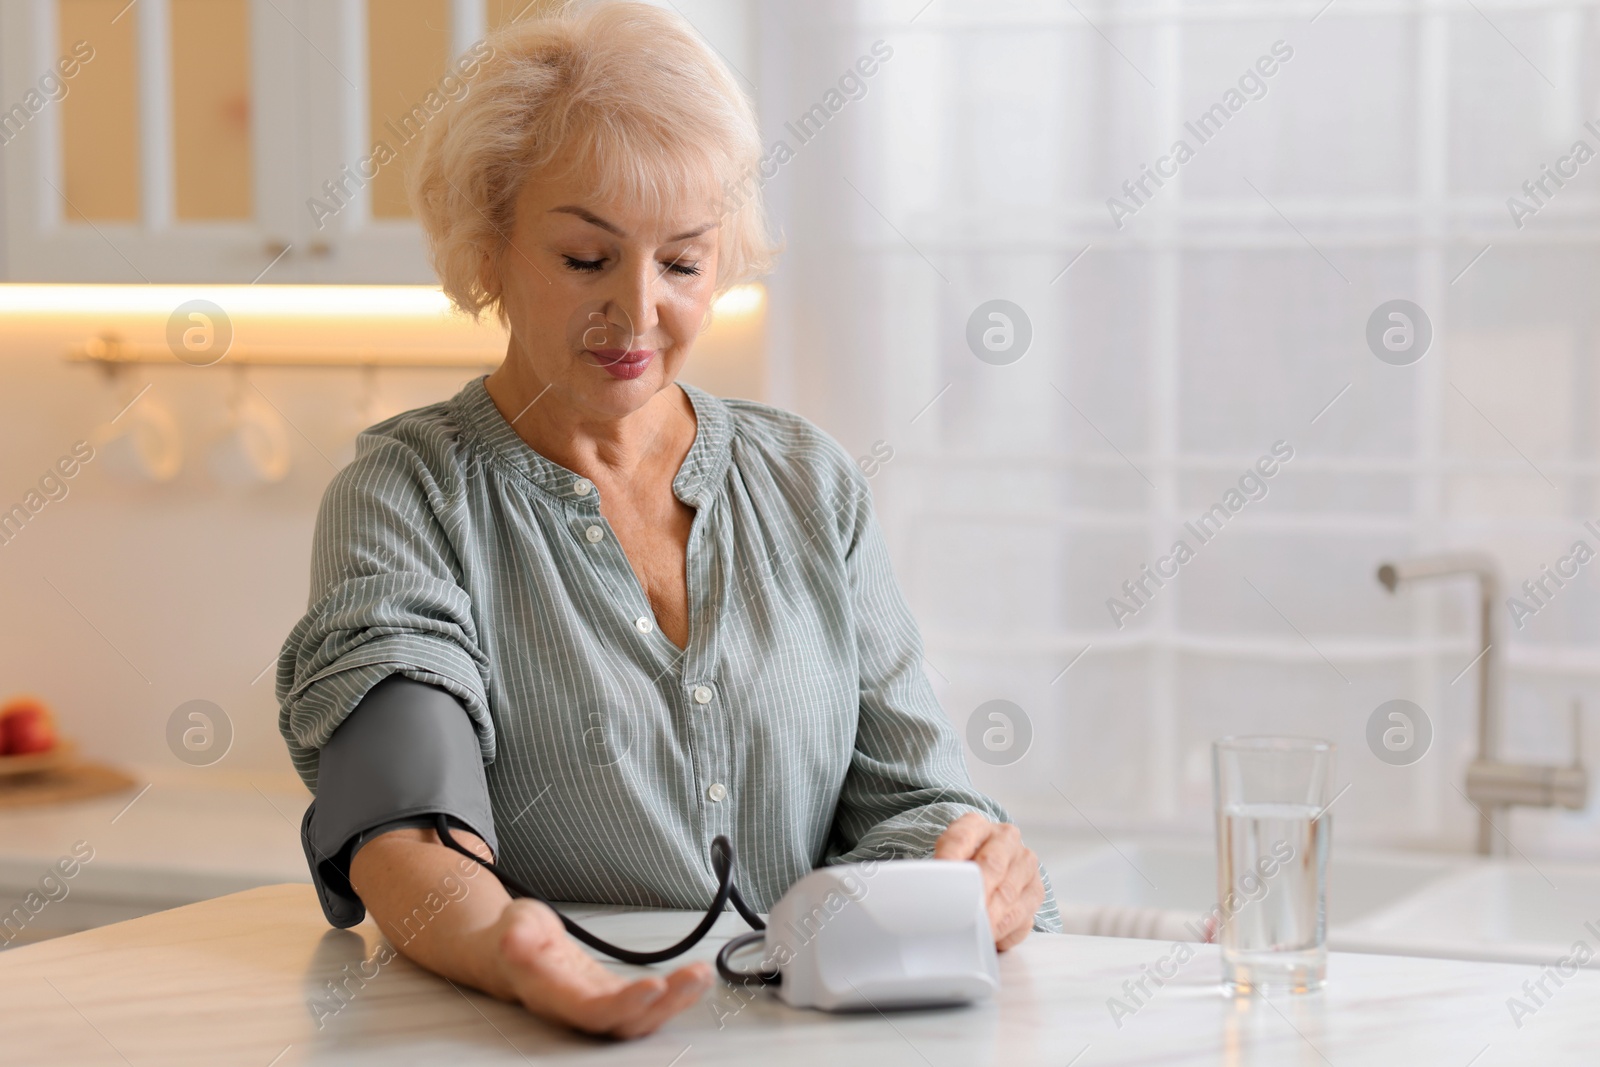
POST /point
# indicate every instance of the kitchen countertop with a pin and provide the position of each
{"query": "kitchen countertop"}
(234, 980)
(174, 838)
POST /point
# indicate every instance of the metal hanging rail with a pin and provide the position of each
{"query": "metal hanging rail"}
(110, 350)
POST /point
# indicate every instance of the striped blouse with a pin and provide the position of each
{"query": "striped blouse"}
(798, 720)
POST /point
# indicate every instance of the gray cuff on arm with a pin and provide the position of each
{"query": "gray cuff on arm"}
(406, 753)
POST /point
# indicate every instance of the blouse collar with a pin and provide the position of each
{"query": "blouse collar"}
(697, 478)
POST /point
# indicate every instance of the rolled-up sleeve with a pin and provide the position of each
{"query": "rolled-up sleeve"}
(386, 598)
(907, 779)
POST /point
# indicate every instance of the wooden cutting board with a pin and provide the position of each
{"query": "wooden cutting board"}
(59, 785)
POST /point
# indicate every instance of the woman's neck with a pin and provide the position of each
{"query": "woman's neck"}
(603, 446)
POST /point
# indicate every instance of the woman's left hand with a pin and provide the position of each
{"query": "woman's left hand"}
(1012, 887)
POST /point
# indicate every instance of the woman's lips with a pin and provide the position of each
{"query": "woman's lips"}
(621, 363)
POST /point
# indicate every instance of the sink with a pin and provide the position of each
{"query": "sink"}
(1182, 876)
(1177, 876)
(1379, 901)
(1497, 910)
(1363, 883)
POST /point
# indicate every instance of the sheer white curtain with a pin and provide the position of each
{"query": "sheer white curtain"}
(1338, 158)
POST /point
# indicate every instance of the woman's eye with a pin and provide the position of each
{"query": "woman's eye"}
(591, 265)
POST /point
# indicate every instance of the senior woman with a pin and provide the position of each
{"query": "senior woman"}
(630, 615)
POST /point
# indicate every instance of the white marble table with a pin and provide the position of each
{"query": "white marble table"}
(232, 981)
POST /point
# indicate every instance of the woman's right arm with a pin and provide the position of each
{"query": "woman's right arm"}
(385, 594)
(515, 950)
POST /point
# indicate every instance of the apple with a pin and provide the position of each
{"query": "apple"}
(26, 728)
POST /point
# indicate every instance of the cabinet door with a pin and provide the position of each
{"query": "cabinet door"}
(219, 140)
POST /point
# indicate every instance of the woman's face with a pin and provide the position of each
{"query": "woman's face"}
(604, 300)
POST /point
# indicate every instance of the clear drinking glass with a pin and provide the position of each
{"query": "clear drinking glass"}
(1273, 831)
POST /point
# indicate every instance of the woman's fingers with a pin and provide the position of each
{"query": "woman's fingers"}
(1026, 894)
(1013, 888)
(684, 987)
(962, 837)
(556, 979)
(998, 851)
(1014, 938)
(634, 1008)
(610, 1012)
(995, 857)
(973, 837)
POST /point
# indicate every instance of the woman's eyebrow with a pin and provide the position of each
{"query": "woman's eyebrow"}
(696, 232)
(590, 217)
(595, 220)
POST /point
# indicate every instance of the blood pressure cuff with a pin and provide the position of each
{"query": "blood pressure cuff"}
(406, 753)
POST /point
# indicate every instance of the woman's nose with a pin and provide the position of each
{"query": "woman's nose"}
(634, 299)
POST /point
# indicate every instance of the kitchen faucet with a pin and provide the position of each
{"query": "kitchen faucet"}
(1493, 786)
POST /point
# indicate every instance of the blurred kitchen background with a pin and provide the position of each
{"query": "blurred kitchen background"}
(202, 150)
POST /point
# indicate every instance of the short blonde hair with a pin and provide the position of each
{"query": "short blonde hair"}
(637, 97)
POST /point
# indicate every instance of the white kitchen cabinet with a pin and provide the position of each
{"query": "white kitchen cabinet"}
(204, 140)
(157, 84)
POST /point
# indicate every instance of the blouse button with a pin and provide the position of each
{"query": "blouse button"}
(594, 534)
(643, 624)
(718, 792)
(702, 694)
(582, 486)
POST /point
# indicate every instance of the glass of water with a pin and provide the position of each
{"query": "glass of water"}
(1273, 830)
